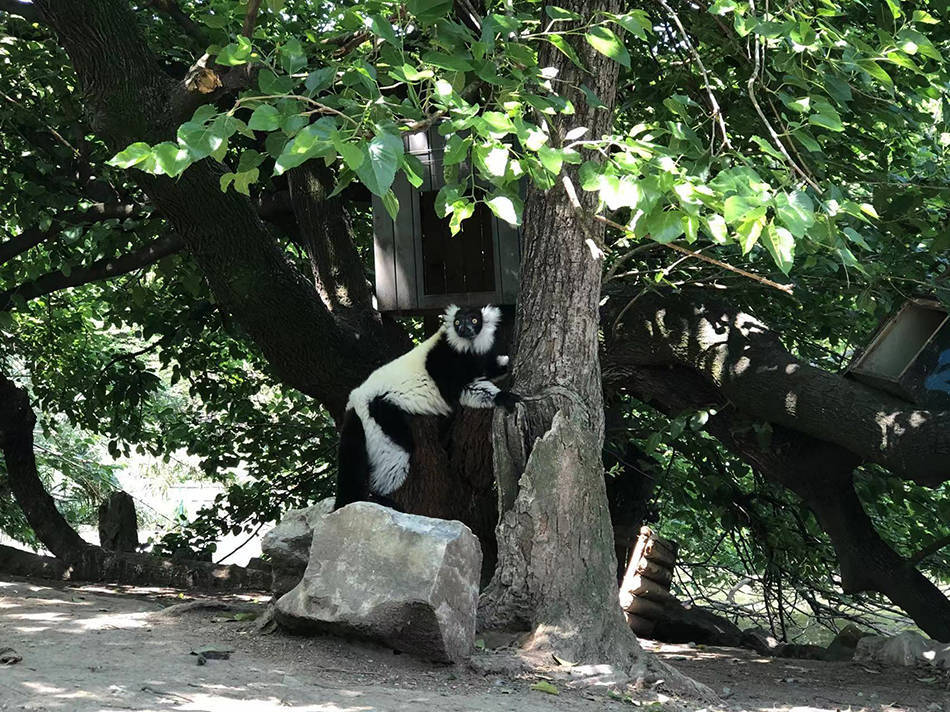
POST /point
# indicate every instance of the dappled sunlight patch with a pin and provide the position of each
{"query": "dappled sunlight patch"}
(51, 616)
(113, 620)
(43, 689)
(213, 703)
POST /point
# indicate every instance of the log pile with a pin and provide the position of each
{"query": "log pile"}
(645, 591)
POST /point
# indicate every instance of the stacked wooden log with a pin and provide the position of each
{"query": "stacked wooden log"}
(645, 591)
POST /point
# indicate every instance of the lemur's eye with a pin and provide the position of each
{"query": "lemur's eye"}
(456, 322)
(474, 321)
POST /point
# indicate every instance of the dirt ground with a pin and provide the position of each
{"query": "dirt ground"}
(92, 648)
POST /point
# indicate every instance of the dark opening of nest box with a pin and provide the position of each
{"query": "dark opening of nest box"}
(909, 356)
(420, 266)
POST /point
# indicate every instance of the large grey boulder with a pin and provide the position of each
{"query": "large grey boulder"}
(288, 544)
(407, 581)
(908, 649)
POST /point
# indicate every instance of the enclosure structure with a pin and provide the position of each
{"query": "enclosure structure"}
(420, 265)
(909, 356)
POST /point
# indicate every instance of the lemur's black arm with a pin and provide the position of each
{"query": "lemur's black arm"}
(497, 366)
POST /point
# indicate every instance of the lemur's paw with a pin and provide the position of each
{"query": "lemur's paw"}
(506, 400)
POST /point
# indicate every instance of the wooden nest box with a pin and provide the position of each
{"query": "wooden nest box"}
(420, 265)
(909, 356)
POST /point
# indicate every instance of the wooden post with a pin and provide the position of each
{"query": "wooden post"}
(645, 591)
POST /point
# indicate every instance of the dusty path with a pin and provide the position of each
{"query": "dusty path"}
(97, 648)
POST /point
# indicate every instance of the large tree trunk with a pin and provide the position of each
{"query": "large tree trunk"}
(17, 420)
(556, 568)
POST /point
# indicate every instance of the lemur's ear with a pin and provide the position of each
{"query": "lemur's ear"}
(449, 316)
(491, 315)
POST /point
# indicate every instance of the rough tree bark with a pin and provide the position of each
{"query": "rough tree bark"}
(556, 568)
(748, 365)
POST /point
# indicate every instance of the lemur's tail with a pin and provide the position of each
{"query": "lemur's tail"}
(352, 479)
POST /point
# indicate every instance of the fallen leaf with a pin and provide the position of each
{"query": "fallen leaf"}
(562, 661)
(545, 686)
(213, 652)
(8, 656)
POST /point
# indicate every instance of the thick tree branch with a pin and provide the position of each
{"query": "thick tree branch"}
(818, 472)
(94, 272)
(747, 365)
(190, 27)
(929, 550)
(33, 237)
(327, 236)
(248, 273)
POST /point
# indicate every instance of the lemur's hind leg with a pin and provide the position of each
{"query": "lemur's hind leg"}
(352, 477)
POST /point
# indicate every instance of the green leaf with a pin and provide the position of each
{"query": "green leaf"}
(565, 48)
(800, 105)
(264, 118)
(874, 69)
(454, 62)
(498, 123)
(559, 13)
(494, 159)
(351, 154)
(131, 156)
(243, 180)
(636, 22)
(413, 169)
(235, 53)
(608, 44)
(456, 150)
(737, 207)
(314, 141)
(383, 153)
(320, 79)
(380, 27)
(781, 245)
(665, 226)
(826, 116)
(796, 211)
(408, 73)
(429, 11)
(199, 140)
(507, 208)
(545, 686)
(551, 159)
(270, 83)
(723, 7)
(170, 159)
(391, 203)
(292, 57)
(461, 210)
(749, 231)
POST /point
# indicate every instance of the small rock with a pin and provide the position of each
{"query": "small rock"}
(845, 643)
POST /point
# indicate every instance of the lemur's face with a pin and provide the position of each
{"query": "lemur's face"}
(468, 323)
